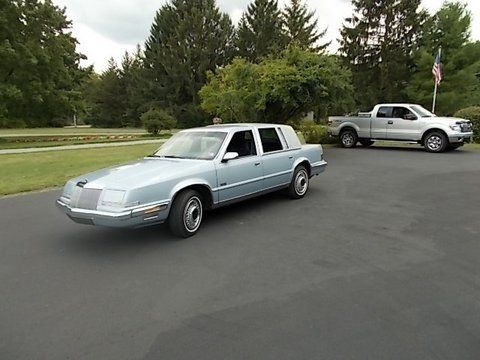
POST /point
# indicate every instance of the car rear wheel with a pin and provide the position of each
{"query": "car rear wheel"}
(435, 141)
(186, 214)
(348, 138)
(299, 185)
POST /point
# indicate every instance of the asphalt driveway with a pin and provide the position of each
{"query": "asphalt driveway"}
(381, 260)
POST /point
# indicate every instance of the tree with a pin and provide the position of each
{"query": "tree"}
(187, 39)
(301, 27)
(156, 120)
(449, 29)
(260, 31)
(377, 44)
(278, 90)
(40, 69)
(108, 98)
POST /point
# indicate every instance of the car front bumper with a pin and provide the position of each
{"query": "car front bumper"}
(132, 217)
(460, 137)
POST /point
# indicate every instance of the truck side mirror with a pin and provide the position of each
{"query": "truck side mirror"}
(409, 116)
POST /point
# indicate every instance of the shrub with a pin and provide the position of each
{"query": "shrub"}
(156, 120)
(471, 113)
(314, 133)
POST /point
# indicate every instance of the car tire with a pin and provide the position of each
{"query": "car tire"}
(348, 138)
(186, 214)
(436, 142)
(366, 142)
(299, 184)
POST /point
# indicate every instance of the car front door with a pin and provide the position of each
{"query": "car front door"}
(403, 124)
(241, 176)
(277, 158)
(378, 126)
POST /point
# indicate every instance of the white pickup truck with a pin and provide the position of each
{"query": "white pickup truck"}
(401, 122)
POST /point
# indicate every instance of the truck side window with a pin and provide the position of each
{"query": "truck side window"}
(270, 140)
(401, 112)
(384, 112)
(242, 142)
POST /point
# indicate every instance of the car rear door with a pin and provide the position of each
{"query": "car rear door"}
(244, 175)
(277, 158)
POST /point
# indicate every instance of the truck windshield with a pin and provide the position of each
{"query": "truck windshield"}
(420, 110)
(202, 145)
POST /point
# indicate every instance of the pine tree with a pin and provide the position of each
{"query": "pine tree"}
(449, 29)
(301, 27)
(187, 39)
(378, 43)
(260, 31)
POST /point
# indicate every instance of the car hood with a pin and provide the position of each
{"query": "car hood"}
(139, 173)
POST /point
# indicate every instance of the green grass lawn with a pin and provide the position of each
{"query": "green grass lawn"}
(35, 171)
(34, 142)
(69, 131)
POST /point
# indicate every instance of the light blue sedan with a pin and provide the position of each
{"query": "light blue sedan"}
(195, 170)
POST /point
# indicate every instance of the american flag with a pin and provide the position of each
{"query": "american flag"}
(437, 69)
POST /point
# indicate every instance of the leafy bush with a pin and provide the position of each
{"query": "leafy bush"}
(314, 133)
(471, 113)
(156, 120)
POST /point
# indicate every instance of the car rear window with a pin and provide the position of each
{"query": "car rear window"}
(270, 140)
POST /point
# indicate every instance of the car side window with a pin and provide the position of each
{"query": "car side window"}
(384, 112)
(243, 143)
(270, 140)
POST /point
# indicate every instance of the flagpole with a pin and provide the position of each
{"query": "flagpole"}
(436, 84)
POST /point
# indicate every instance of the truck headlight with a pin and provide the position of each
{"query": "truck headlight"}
(113, 197)
(455, 127)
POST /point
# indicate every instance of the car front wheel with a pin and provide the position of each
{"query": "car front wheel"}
(299, 185)
(186, 214)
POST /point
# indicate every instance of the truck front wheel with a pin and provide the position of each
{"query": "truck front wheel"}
(348, 138)
(435, 141)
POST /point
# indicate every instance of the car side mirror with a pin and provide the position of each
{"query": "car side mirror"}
(230, 156)
(409, 116)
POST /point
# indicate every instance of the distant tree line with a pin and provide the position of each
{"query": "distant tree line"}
(273, 66)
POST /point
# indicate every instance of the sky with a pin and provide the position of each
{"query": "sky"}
(108, 28)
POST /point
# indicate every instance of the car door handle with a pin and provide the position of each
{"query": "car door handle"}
(390, 122)
(290, 157)
(257, 163)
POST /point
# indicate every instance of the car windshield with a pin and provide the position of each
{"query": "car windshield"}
(203, 145)
(420, 110)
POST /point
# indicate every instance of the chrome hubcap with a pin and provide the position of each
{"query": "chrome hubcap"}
(192, 215)
(347, 139)
(434, 142)
(301, 182)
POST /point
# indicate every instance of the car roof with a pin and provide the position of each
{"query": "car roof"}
(234, 126)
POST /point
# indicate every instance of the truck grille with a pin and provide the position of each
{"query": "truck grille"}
(85, 198)
(466, 127)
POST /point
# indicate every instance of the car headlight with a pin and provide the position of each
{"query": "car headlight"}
(113, 197)
(455, 127)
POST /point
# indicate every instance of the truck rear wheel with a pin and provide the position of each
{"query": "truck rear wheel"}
(436, 142)
(348, 138)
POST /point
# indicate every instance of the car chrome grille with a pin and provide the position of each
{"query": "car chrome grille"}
(466, 127)
(85, 198)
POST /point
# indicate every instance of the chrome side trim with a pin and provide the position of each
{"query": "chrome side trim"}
(250, 195)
